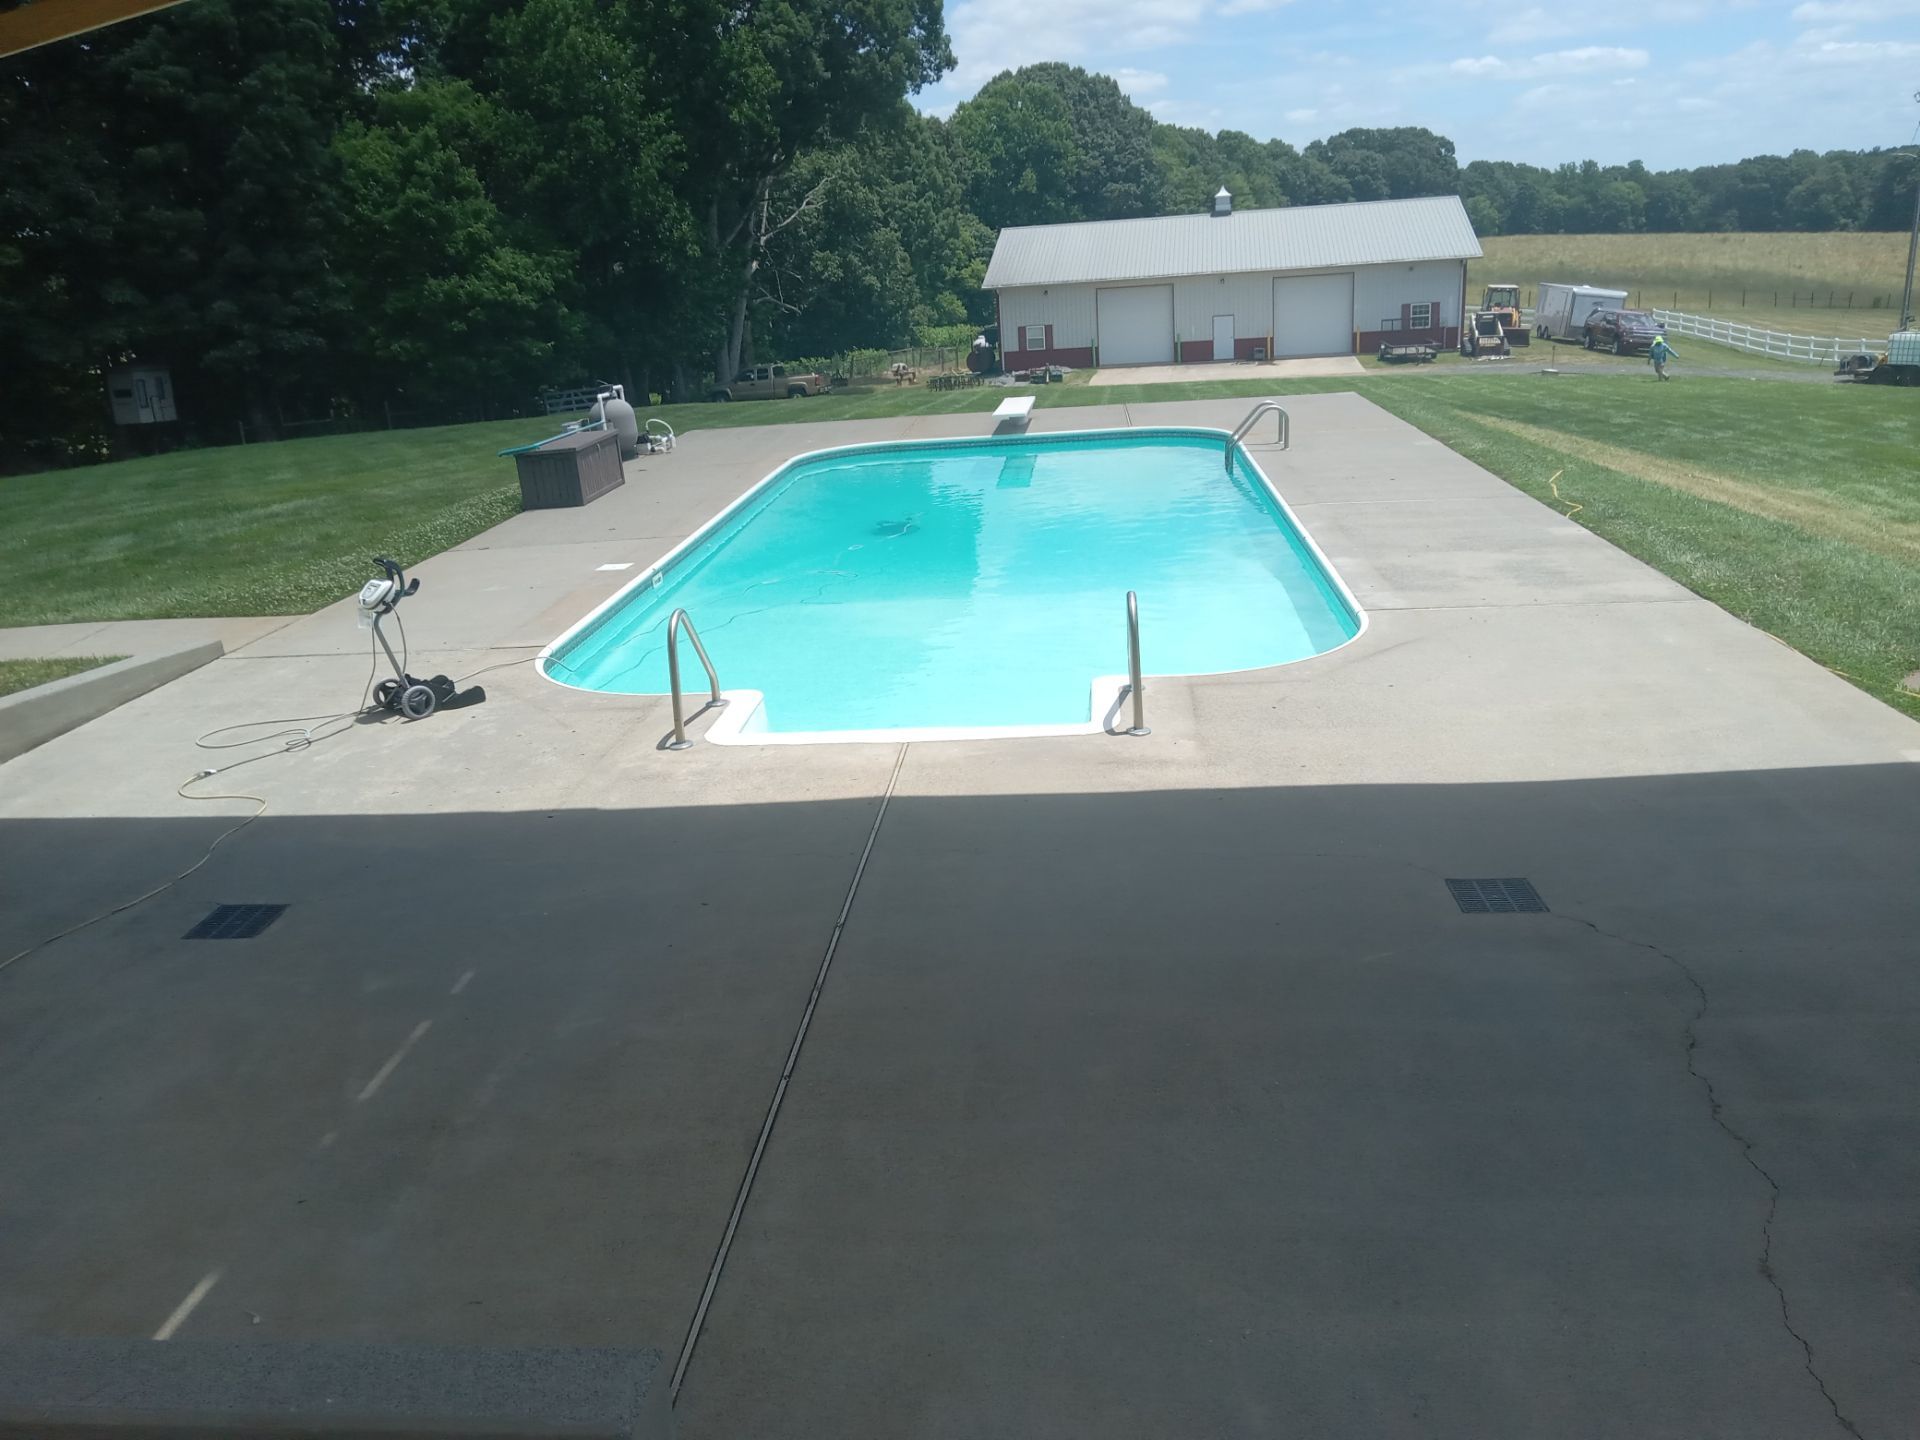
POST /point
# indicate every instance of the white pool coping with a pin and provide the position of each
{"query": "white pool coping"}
(1107, 692)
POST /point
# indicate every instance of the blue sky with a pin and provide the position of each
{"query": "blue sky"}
(1670, 82)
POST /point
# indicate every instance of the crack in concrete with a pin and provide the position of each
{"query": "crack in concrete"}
(1718, 1112)
(1715, 1107)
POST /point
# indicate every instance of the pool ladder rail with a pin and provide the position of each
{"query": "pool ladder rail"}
(680, 620)
(1253, 416)
(677, 622)
(1134, 687)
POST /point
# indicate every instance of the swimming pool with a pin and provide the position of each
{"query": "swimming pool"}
(945, 588)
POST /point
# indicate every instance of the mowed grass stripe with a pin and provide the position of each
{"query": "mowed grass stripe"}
(1809, 510)
(1853, 610)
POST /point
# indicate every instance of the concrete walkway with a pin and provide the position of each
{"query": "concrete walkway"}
(1157, 1086)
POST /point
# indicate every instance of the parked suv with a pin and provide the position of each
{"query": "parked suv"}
(1625, 332)
(771, 382)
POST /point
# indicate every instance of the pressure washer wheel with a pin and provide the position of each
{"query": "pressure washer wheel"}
(417, 701)
(387, 694)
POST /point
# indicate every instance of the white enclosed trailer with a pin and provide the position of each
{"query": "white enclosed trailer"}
(1560, 312)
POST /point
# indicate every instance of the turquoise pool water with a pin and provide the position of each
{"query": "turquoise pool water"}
(973, 584)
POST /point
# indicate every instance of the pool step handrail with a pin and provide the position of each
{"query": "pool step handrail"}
(1253, 415)
(677, 622)
(1134, 686)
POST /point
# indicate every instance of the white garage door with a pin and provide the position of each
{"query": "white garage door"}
(1313, 315)
(1136, 325)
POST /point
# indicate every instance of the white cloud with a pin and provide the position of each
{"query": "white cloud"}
(1538, 80)
(1763, 97)
(1587, 60)
(1138, 82)
(1851, 52)
(1532, 23)
(994, 35)
(1540, 96)
(1853, 12)
(1514, 22)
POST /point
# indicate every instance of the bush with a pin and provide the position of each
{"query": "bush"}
(945, 337)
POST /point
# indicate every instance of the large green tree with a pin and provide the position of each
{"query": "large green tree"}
(577, 136)
(453, 303)
(1054, 141)
(1020, 158)
(881, 245)
(1397, 163)
(170, 194)
(758, 84)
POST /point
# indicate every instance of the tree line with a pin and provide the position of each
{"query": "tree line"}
(311, 208)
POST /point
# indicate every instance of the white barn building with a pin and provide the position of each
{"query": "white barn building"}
(1295, 281)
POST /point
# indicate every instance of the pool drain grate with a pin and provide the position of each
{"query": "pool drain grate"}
(235, 922)
(1497, 897)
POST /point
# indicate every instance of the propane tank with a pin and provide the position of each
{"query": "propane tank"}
(617, 415)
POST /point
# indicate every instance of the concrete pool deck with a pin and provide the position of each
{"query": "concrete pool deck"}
(1157, 1087)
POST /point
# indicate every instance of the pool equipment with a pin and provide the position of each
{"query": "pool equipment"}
(404, 694)
(612, 412)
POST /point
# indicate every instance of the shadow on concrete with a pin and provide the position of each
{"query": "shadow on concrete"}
(1190, 1111)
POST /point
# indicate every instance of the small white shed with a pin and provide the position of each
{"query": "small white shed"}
(141, 394)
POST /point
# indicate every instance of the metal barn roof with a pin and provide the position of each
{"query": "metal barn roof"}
(1295, 237)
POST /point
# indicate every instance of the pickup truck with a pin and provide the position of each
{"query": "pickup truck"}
(771, 382)
(1625, 332)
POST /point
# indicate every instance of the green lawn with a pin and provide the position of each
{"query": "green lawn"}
(25, 674)
(1797, 507)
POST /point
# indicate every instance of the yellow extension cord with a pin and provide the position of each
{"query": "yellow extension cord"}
(181, 791)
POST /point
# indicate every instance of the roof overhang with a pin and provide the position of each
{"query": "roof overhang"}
(41, 22)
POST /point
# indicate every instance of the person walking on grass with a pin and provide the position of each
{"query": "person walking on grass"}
(1659, 353)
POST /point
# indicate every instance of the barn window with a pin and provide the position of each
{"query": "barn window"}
(1420, 317)
(1033, 337)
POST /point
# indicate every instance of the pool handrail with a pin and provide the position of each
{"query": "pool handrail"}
(676, 622)
(1138, 690)
(1240, 430)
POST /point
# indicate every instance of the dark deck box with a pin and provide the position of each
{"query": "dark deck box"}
(570, 470)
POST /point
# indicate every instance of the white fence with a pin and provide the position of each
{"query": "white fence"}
(1812, 349)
